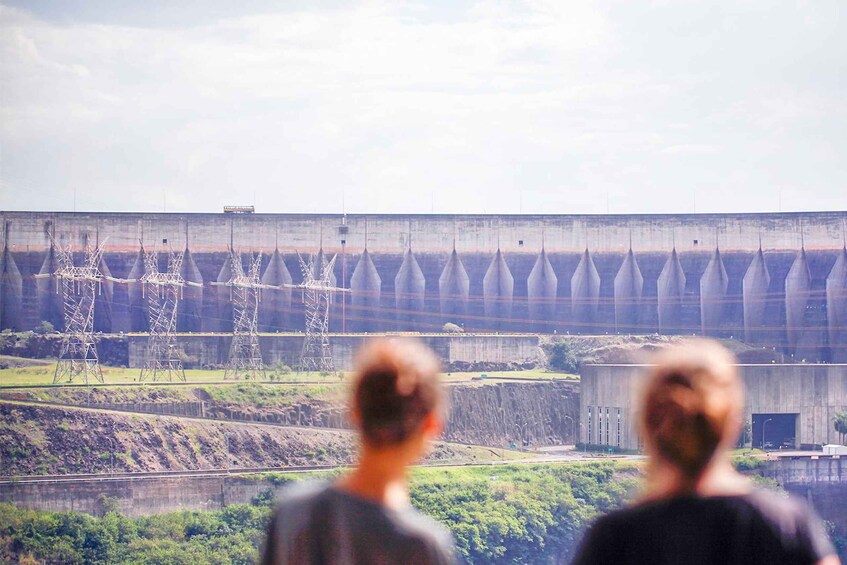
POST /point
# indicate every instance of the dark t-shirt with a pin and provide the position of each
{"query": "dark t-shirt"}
(760, 527)
(316, 524)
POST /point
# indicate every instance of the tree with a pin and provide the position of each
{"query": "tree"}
(560, 357)
(44, 328)
(840, 424)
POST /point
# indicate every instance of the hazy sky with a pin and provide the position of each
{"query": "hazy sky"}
(545, 107)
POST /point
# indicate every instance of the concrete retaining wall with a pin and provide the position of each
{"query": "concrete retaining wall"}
(135, 496)
(822, 481)
(213, 350)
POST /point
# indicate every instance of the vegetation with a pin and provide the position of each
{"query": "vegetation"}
(840, 424)
(42, 374)
(504, 514)
(512, 514)
(561, 356)
(261, 395)
(44, 328)
(521, 514)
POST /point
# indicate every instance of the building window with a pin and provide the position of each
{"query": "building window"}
(608, 425)
(599, 425)
(619, 427)
(588, 429)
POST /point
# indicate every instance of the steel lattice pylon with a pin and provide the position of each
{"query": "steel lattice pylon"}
(245, 355)
(317, 296)
(163, 291)
(79, 287)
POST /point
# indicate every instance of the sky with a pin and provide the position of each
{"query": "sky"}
(419, 107)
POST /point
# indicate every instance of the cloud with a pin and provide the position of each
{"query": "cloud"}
(402, 105)
(689, 149)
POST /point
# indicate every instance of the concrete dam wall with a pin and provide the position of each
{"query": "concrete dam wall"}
(779, 280)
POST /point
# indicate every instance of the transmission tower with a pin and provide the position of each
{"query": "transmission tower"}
(317, 295)
(163, 291)
(79, 287)
(245, 356)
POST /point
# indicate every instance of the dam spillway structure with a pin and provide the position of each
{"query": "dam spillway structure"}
(670, 293)
(629, 286)
(275, 308)
(498, 286)
(542, 287)
(11, 291)
(713, 286)
(585, 294)
(409, 291)
(432, 269)
(454, 290)
(798, 285)
(836, 307)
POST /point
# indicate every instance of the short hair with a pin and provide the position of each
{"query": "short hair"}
(691, 404)
(396, 387)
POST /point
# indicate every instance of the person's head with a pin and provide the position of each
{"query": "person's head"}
(397, 396)
(692, 407)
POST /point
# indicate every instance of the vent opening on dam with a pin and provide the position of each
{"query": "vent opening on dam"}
(775, 280)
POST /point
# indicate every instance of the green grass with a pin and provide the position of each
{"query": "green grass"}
(261, 394)
(42, 375)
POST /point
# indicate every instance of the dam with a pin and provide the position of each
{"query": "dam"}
(776, 280)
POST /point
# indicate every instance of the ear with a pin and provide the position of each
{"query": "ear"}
(433, 425)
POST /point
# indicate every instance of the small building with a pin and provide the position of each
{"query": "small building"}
(786, 406)
(239, 209)
(834, 449)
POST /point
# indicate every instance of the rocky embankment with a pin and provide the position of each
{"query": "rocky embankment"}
(484, 413)
(47, 440)
(523, 414)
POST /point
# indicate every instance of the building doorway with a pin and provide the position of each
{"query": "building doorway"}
(774, 431)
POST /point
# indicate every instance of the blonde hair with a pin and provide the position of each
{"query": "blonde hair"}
(691, 406)
(396, 387)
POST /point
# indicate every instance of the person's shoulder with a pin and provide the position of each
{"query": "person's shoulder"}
(416, 525)
(300, 494)
(783, 510)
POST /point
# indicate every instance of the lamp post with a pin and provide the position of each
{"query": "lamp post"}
(763, 432)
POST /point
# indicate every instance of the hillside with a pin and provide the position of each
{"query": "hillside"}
(50, 440)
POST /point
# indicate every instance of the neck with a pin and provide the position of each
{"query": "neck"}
(380, 476)
(718, 479)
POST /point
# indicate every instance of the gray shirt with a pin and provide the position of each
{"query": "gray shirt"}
(316, 524)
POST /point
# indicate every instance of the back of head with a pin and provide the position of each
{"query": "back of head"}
(691, 406)
(396, 388)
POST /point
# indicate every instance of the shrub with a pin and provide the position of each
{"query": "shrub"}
(561, 358)
(44, 327)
